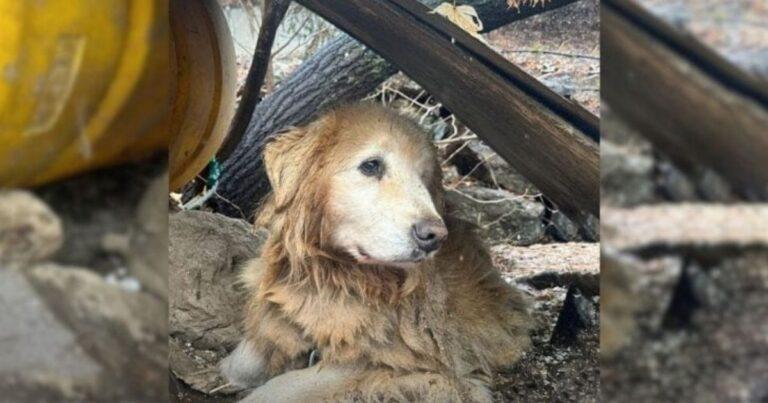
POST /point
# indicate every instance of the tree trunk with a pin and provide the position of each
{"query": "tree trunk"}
(342, 71)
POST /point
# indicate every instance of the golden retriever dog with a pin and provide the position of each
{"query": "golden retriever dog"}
(366, 271)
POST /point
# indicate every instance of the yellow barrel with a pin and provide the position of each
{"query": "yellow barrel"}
(89, 83)
(204, 66)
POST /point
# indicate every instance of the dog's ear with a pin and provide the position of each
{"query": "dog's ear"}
(289, 158)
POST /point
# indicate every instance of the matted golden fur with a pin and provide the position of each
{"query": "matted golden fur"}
(340, 274)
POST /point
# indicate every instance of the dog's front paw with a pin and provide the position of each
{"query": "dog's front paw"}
(244, 366)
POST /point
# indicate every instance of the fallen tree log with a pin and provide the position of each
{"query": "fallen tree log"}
(689, 102)
(343, 70)
(685, 225)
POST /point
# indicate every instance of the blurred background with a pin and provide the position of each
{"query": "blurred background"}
(684, 262)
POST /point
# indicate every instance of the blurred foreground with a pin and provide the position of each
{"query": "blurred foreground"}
(83, 288)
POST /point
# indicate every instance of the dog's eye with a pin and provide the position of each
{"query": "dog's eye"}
(372, 167)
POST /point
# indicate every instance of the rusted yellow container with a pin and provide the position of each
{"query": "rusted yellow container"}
(89, 83)
(204, 66)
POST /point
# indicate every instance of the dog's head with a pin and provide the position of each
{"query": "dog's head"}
(360, 180)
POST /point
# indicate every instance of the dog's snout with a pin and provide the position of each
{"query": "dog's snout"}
(429, 234)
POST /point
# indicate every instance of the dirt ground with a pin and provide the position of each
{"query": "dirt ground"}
(560, 48)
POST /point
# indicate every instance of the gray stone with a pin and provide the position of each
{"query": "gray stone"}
(673, 183)
(564, 229)
(29, 230)
(206, 300)
(590, 228)
(206, 250)
(626, 177)
(585, 228)
(40, 358)
(714, 188)
(616, 131)
(124, 331)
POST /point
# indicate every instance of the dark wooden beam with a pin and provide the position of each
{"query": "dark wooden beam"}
(548, 139)
(688, 101)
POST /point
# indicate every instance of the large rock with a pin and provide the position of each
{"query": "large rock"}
(206, 301)
(562, 228)
(29, 230)
(501, 216)
(206, 250)
(117, 345)
(40, 358)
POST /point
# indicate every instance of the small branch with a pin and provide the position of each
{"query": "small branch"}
(455, 153)
(456, 139)
(493, 201)
(471, 171)
(274, 12)
(498, 220)
(199, 200)
(293, 36)
(219, 388)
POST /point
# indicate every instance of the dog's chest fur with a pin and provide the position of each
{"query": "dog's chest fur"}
(460, 317)
(409, 334)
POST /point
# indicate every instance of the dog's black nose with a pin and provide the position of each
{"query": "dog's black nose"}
(429, 234)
